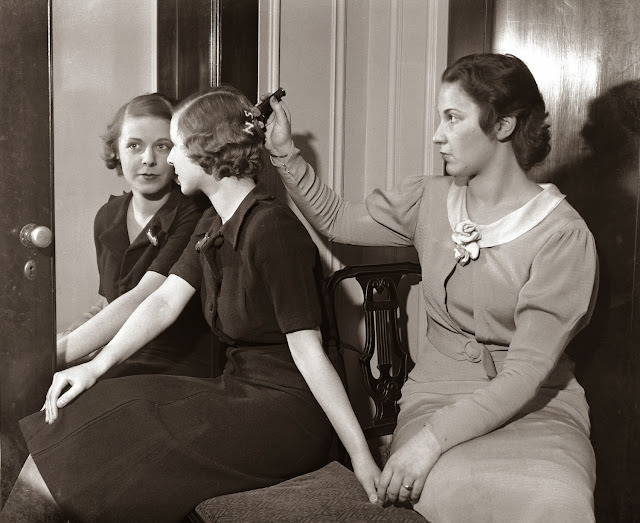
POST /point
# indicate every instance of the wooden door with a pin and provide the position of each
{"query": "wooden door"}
(207, 42)
(586, 58)
(27, 347)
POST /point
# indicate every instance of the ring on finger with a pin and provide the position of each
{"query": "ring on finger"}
(407, 487)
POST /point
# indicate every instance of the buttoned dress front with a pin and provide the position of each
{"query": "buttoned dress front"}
(491, 379)
(149, 448)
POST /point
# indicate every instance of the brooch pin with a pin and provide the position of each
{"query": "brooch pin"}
(201, 243)
(217, 241)
(152, 235)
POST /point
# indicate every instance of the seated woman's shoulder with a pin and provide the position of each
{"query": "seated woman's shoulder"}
(197, 202)
(112, 206)
(418, 181)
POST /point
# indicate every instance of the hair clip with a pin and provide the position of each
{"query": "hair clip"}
(250, 123)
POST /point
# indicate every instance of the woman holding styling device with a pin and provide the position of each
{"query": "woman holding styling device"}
(493, 425)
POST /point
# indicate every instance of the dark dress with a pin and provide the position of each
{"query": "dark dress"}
(149, 448)
(185, 347)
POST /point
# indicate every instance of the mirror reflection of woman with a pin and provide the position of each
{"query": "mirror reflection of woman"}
(151, 447)
(493, 425)
(138, 236)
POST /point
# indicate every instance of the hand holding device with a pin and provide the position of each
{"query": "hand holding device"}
(265, 108)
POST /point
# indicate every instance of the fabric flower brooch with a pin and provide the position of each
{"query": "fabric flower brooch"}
(465, 236)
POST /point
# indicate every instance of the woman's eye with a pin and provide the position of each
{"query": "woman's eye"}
(164, 147)
(133, 146)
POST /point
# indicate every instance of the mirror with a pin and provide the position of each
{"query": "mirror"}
(104, 53)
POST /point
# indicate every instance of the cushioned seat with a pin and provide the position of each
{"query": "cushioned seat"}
(330, 494)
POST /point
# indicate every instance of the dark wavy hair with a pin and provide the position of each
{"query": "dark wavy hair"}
(502, 85)
(219, 132)
(154, 105)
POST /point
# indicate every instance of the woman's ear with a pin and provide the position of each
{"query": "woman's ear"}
(505, 127)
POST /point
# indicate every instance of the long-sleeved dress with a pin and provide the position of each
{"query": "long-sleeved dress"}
(149, 448)
(492, 382)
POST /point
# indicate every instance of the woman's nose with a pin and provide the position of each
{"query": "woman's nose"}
(438, 137)
(170, 157)
(149, 157)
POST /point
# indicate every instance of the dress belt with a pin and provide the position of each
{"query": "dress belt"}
(460, 347)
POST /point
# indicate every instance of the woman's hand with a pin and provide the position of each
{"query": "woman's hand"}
(409, 466)
(368, 475)
(278, 132)
(78, 379)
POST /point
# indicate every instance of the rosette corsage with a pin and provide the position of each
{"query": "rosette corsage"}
(465, 236)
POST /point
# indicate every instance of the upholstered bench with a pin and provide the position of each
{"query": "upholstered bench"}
(327, 495)
(332, 493)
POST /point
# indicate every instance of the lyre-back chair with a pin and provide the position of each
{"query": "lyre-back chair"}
(333, 493)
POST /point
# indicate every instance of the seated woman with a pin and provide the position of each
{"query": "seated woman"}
(151, 447)
(139, 236)
(493, 425)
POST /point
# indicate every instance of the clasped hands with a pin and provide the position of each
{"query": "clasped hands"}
(405, 473)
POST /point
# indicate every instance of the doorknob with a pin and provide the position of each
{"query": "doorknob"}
(33, 235)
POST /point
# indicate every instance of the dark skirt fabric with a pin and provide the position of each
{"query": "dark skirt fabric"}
(151, 447)
(189, 358)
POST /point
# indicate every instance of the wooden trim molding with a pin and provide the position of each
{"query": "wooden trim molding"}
(436, 61)
(395, 51)
(337, 99)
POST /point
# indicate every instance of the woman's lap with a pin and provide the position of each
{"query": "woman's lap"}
(152, 447)
(539, 467)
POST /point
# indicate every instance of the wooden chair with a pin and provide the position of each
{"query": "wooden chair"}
(333, 493)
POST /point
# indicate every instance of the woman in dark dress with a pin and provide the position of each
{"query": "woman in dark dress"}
(149, 448)
(139, 235)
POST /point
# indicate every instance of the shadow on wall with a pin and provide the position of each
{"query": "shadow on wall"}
(602, 184)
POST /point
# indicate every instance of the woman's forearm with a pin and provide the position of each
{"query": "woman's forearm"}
(327, 388)
(337, 219)
(148, 320)
(102, 327)
(100, 304)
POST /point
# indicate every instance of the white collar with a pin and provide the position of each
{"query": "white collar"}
(511, 226)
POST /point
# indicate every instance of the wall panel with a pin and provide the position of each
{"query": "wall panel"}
(361, 79)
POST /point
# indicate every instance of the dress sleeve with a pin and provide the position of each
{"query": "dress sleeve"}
(288, 263)
(385, 219)
(177, 238)
(188, 266)
(98, 225)
(553, 305)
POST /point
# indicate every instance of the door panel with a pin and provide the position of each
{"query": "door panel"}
(207, 42)
(583, 55)
(27, 308)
